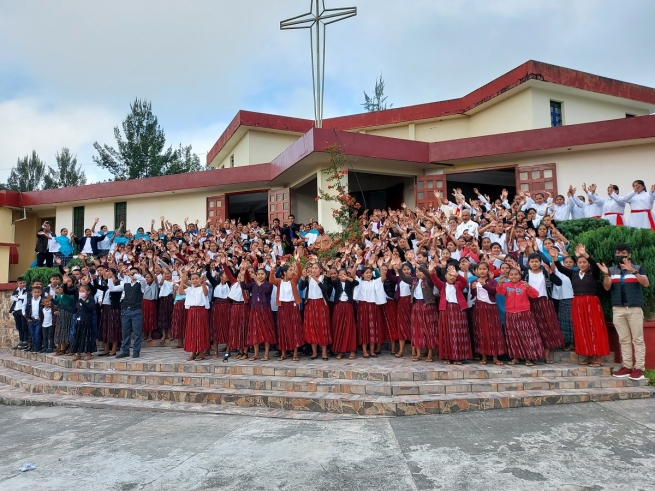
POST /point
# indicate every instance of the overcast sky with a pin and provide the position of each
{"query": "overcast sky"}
(70, 68)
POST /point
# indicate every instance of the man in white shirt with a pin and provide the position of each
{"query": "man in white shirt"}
(467, 224)
(133, 286)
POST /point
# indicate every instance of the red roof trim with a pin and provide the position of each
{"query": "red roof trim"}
(544, 139)
(531, 70)
(258, 120)
(5, 287)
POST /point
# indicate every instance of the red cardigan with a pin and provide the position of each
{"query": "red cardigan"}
(517, 297)
(460, 285)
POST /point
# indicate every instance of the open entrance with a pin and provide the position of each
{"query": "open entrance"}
(377, 191)
(248, 207)
(489, 182)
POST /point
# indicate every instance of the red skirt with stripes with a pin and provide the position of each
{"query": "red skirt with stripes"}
(454, 337)
(196, 338)
(178, 320)
(316, 327)
(589, 328)
(404, 318)
(487, 331)
(343, 328)
(547, 323)
(111, 329)
(165, 312)
(261, 328)
(238, 328)
(219, 321)
(369, 323)
(149, 310)
(425, 318)
(289, 327)
(523, 340)
(390, 317)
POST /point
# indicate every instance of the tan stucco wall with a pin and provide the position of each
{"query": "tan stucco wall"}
(401, 132)
(25, 235)
(265, 146)
(241, 153)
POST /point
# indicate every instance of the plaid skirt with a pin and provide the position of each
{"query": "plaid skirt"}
(111, 327)
(404, 318)
(454, 337)
(316, 326)
(343, 328)
(238, 327)
(261, 328)
(196, 337)
(523, 340)
(165, 312)
(369, 323)
(589, 326)
(289, 327)
(565, 318)
(63, 326)
(149, 310)
(544, 315)
(178, 321)
(487, 331)
(219, 321)
(425, 317)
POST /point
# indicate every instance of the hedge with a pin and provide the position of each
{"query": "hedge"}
(43, 273)
(572, 228)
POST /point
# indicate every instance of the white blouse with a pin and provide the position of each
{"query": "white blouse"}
(451, 293)
(418, 291)
(286, 293)
(482, 294)
(221, 290)
(314, 291)
(195, 297)
(236, 294)
(405, 289)
(370, 291)
(344, 296)
(166, 289)
(538, 282)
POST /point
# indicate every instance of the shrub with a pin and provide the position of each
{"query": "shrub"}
(600, 244)
(572, 228)
(41, 273)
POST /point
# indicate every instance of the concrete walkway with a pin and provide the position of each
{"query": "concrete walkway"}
(594, 446)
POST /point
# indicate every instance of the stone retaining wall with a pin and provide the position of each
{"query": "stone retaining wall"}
(8, 332)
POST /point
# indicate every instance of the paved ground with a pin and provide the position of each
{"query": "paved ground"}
(606, 446)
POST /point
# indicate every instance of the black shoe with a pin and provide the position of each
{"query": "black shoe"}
(18, 346)
(25, 348)
(135, 355)
(122, 355)
(226, 357)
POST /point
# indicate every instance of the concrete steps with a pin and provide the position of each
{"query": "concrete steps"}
(382, 387)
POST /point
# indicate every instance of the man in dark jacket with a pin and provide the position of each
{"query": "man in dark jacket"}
(89, 243)
(43, 237)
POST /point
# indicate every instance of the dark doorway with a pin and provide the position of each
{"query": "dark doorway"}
(489, 182)
(376, 191)
(248, 207)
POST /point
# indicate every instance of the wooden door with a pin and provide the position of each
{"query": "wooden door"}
(424, 190)
(216, 209)
(279, 205)
(537, 179)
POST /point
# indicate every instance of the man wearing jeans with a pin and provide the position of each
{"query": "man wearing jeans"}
(625, 283)
(133, 286)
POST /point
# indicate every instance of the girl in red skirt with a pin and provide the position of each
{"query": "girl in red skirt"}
(196, 338)
(540, 278)
(316, 326)
(488, 333)
(165, 305)
(589, 328)
(219, 315)
(261, 328)
(149, 305)
(425, 315)
(390, 309)
(453, 327)
(404, 306)
(178, 318)
(287, 298)
(239, 312)
(370, 297)
(523, 340)
(343, 317)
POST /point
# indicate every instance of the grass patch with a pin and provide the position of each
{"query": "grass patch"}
(650, 375)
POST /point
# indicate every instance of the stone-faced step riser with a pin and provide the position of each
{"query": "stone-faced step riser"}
(432, 371)
(479, 401)
(331, 386)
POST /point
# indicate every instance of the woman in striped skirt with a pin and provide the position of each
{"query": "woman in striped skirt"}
(261, 328)
(403, 308)
(287, 298)
(165, 304)
(488, 333)
(344, 329)
(239, 311)
(196, 303)
(219, 316)
(316, 324)
(370, 298)
(149, 305)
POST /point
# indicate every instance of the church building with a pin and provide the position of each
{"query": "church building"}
(537, 127)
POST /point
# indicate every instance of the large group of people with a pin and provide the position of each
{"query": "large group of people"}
(485, 280)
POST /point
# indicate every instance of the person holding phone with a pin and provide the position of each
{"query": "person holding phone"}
(43, 237)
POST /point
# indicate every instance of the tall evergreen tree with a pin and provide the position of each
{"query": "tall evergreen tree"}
(141, 152)
(67, 173)
(28, 174)
(378, 102)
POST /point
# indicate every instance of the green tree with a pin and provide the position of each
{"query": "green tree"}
(141, 152)
(27, 175)
(186, 161)
(379, 101)
(67, 173)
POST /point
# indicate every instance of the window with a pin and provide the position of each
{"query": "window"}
(120, 214)
(628, 115)
(78, 223)
(555, 113)
(232, 160)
